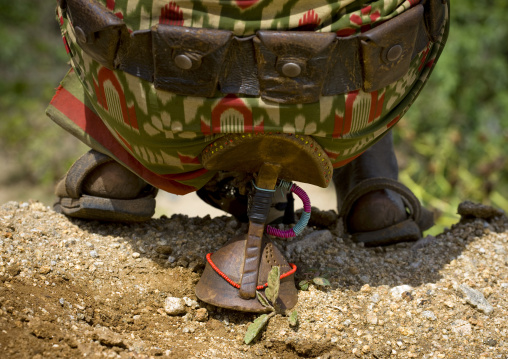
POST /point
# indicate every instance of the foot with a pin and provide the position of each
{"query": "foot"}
(97, 187)
(376, 208)
(112, 180)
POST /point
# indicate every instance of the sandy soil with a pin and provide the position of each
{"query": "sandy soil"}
(71, 288)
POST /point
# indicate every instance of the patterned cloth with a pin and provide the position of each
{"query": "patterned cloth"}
(160, 135)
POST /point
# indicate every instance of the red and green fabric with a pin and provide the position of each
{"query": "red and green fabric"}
(159, 135)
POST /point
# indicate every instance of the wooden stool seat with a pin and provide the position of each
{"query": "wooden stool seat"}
(300, 157)
(271, 156)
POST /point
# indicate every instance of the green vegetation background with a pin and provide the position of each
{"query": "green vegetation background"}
(451, 145)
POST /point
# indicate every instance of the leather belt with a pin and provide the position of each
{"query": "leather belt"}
(287, 67)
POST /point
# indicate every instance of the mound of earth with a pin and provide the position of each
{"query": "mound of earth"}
(71, 288)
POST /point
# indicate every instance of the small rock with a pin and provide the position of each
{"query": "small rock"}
(196, 265)
(171, 259)
(407, 296)
(14, 270)
(323, 219)
(94, 254)
(476, 299)
(397, 291)
(174, 306)
(365, 288)
(449, 304)
(429, 315)
(499, 249)
(201, 315)
(108, 338)
(136, 255)
(166, 250)
(44, 269)
(490, 342)
(190, 302)
(461, 327)
(475, 210)
(371, 318)
(353, 270)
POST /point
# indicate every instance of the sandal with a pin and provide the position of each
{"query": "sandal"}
(134, 205)
(418, 219)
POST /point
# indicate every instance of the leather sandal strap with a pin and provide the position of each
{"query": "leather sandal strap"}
(381, 183)
(81, 169)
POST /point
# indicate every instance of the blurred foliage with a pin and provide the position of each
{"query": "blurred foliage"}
(35, 152)
(451, 144)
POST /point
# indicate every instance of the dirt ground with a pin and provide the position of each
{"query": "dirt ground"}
(71, 289)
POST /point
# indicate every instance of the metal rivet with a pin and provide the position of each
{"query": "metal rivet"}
(394, 53)
(183, 62)
(80, 34)
(291, 69)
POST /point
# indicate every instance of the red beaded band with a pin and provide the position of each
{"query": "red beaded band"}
(236, 285)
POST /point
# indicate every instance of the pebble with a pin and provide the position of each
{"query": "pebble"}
(490, 342)
(461, 327)
(108, 338)
(470, 209)
(94, 254)
(201, 315)
(44, 269)
(174, 306)
(14, 270)
(166, 250)
(476, 299)
(372, 318)
(429, 315)
(397, 291)
(136, 255)
(190, 302)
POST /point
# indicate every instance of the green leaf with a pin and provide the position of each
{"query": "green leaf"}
(304, 285)
(293, 319)
(255, 328)
(272, 292)
(321, 281)
(262, 299)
